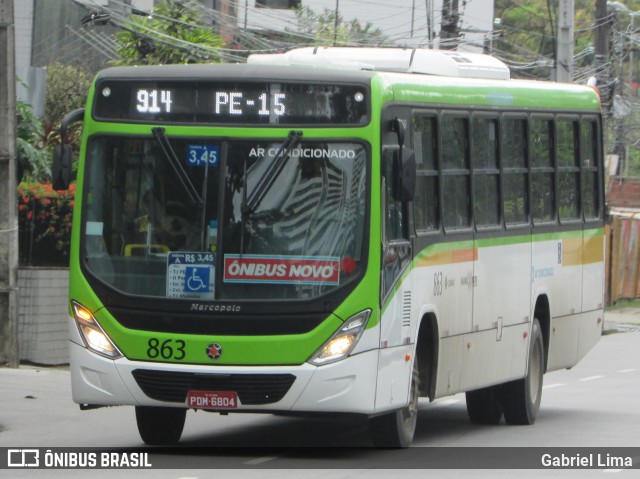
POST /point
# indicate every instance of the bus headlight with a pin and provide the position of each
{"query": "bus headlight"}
(340, 345)
(94, 337)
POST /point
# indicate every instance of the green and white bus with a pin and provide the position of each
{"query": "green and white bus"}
(333, 230)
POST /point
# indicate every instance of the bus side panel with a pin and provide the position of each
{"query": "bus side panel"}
(557, 267)
(495, 352)
(592, 270)
(395, 358)
(563, 342)
(593, 248)
(574, 330)
(501, 295)
(591, 324)
(394, 377)
(444, 277)
(489, 361)
(501, 298)
(449, 366)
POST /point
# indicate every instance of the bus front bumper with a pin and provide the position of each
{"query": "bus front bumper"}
(346, 386)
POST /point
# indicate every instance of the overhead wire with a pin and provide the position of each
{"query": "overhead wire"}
(525, 59)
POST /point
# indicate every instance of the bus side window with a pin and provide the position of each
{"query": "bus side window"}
(396, 249)
(426, 203)
(514, 169)
(456, 188)
(392, 220)
(568, 168)
(542, 171)
(486, 175)
(589, 162)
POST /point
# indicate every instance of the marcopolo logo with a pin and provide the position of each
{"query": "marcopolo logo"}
(214, 351)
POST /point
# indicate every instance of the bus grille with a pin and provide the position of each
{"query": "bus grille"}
(252, 389)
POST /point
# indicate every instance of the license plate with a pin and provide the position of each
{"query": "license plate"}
(212, 399)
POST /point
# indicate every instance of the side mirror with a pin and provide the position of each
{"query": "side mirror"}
(61, 167)
(62, 154)
(404, 172)
(407, 185)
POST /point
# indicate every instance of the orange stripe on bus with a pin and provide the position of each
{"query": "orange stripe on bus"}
(449, 257)
(571, 251)
(577, 251)
(593, 250)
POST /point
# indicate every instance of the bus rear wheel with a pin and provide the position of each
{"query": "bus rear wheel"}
(160, 426)
(520, 399)
(483, 406)
(396, 429)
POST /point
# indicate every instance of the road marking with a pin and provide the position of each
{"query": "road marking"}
(591, 378)
(627, 370)
(261, 460)
(551, 386)
(447, 402)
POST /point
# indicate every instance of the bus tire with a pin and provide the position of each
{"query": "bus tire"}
(521, 398)
(397, 428)
(160, 426)
(483, 406)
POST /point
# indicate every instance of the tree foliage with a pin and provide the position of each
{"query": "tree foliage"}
(67, 90)
(34, 161)
(528, 30)
(175, 33)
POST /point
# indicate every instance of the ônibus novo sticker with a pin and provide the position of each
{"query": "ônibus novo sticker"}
(282, 269)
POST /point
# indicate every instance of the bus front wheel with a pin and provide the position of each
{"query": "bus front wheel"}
(396, 429)
(160, 426)
(521, 398)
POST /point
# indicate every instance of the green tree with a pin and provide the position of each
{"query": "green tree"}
(323, 29)
(528, 31)
(34, 162)
(67, 90)
(175, 33)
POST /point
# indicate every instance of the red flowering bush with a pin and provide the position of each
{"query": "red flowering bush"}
(44, 224)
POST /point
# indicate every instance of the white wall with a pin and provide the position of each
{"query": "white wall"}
(43, 319)
(23, 22)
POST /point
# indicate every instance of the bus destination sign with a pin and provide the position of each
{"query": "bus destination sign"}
(262, 103)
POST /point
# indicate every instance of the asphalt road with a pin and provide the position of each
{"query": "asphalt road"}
(594, 405)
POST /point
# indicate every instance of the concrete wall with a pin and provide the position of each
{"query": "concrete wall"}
(23, 21)
(43, 311)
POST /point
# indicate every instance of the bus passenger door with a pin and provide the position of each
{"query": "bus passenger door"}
(395, 292)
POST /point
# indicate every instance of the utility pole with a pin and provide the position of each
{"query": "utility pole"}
(450, 26)
(335, 24)
(564, 60)
(8, 211)
(602, 34)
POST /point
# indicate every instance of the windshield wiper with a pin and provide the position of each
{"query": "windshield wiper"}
(250, 204)
(180, 172)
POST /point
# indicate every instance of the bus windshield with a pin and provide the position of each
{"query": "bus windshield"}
(208, 219)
